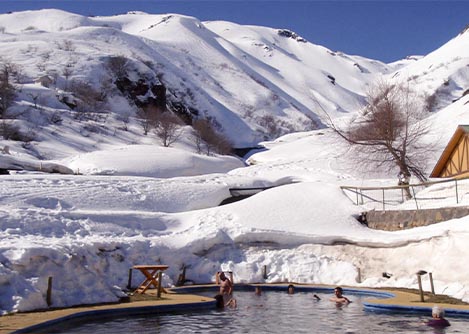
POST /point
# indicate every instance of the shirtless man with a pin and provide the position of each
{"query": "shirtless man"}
(226, 287)
(339, 298)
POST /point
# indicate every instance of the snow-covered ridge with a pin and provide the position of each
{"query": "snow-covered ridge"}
(443, 72)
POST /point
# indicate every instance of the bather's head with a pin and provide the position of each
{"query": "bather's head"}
(438, 312)
(338, 291)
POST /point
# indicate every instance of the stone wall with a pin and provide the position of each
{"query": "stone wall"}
(405, 219)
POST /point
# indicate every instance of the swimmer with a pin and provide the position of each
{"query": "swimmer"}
(438, 318)
(338, 297)
(226, 287)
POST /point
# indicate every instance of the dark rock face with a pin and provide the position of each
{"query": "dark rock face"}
(145, 94)
(290, 34)
(68, 100)
(185, 113)
(160, 92)
(142, 93)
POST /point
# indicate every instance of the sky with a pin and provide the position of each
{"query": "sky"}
(382, 30)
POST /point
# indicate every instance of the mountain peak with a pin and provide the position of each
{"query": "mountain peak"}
(465, 29)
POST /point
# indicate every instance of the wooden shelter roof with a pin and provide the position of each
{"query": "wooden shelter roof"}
(453, 142)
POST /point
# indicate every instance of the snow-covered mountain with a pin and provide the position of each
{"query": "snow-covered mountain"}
(442, 75)
(255, 82)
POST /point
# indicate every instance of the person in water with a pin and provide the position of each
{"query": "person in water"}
(438, 318)
(232, 303)
(226, 287)
(339, 297)
(220, 302)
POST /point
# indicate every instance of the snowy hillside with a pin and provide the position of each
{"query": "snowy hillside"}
(256, 83)
(441, 75)
(137, 202)
(253, 83)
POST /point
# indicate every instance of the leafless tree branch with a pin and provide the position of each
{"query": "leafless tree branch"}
(390, 130)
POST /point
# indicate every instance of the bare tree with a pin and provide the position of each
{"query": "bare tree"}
(118, 66)
(35, 97)
(7, 90)
(209, 140)
(390, 131)
(125, 119)
(91, 101)
(67, 73)
(148, 118)
(168, 128)
(9, 130)
(271, 125)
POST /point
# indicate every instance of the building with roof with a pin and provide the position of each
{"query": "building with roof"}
(454, 161)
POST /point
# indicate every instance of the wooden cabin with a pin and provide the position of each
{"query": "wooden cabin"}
(454, 161)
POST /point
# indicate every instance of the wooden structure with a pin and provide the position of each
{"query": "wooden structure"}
(152, 275)
(454, 161)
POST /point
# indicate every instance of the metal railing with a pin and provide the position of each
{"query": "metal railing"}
(435, 194)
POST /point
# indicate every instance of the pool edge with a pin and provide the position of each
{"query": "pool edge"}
(380, 300)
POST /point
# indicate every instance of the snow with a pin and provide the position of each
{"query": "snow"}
(87, 230)
(151, 161)
(124, 200)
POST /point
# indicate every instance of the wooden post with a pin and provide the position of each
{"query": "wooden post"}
(158, 293)
(359, 276)
(384, 205)
(264, 272)
(129, 282)
(231, 277)
(49, 291)
(419, 279)
(415, 198)
(431, 283)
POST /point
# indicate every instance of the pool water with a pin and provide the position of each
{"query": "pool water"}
(272, 312)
